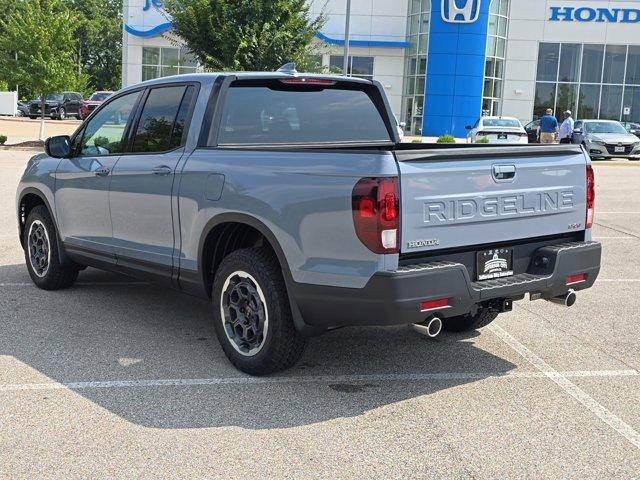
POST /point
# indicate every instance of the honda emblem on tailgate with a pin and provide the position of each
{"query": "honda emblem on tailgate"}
(452, 13)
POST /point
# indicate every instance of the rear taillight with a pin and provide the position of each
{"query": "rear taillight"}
(591, 196)
(376, 213)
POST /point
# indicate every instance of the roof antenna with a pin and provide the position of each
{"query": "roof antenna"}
(288, 68)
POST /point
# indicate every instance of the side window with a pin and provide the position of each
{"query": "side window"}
(577, 125)
(103, 135)
(163, 118)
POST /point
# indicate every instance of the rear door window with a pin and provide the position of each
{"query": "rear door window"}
(274, 113)
(162, 121)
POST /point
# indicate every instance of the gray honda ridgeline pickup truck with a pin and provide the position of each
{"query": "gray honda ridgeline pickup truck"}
(288, 201)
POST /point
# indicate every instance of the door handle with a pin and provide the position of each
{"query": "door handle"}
(161, 170)
(103, 171)
(504, 172)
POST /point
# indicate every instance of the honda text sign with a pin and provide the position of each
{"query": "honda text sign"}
(460, 11)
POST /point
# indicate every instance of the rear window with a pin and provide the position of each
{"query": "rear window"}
(501, 122)
(283, 114)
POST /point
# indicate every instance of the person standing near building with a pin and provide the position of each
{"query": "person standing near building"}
(566, 129)
(548, 128)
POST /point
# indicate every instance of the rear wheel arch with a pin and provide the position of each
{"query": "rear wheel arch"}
(228, 232)
(29, 199)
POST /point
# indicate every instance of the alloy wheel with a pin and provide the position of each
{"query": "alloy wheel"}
(244, 313)
(39, 248)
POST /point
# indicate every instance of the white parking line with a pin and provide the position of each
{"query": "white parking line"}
(390, 377)
(571, 388)
(81, 284)
(614, 238)
(618, 280)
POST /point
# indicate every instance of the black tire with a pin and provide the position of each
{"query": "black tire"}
(54, 276)
(465, 323)
(33, 117)
(282, 345)
(62, 113)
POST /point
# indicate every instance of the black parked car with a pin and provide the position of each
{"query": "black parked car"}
(57, 105)
(632, 127)
(532, 131)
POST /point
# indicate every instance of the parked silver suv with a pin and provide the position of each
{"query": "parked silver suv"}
(606, 139)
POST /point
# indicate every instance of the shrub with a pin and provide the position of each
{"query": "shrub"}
(446, 139)
(3, 138)
(415, 140)
(482, 140)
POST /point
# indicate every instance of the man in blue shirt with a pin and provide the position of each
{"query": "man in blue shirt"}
(548, 128)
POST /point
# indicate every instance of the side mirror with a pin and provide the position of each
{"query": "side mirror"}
(58, 147)
(403, 125)
(469, 127)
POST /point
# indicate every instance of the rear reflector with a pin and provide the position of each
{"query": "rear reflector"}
(573, 279)
(434, 305)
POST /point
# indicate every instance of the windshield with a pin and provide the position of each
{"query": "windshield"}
(604, 127)
(99, 96)
(501, 122)
(55, 97)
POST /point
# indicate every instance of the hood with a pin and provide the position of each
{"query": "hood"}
(625, 139)
(93, 102)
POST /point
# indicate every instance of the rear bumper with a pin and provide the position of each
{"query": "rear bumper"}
(393, 298)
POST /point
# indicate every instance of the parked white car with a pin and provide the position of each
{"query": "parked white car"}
(497, 130)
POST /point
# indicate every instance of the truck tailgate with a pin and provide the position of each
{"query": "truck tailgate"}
(456, 197)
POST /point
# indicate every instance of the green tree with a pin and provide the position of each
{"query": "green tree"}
(245, 34)
(37, 47)
(99, 42)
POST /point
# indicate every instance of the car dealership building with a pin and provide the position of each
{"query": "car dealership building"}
(443, 63)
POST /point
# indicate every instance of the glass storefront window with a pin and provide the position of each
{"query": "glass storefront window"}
(545, 98)
(358, 66)
(415, 65)
(608, 83)
(548, 55)
(592, 57)
(567, 97)
(614, 60)
(589, 101)
(633, 66)
(569, 62)
(495, 56)
(611, 102)
(632, 101)
(162, 62)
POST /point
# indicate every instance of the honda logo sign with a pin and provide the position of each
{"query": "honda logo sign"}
(452, 13)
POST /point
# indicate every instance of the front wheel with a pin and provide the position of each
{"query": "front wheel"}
(41, 252)
(252, 315)
(464, 323)
(62, 113)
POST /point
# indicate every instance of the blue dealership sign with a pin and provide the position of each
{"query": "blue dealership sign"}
(455, 66)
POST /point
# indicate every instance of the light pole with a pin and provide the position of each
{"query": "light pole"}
(345, 62)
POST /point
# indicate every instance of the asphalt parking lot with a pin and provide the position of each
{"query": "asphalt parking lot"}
(114, 378)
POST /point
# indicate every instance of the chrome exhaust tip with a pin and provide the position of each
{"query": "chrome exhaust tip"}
(568, 300)
(429, 328)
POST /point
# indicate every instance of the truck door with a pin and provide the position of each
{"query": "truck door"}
(82, 181)
(141, 188)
